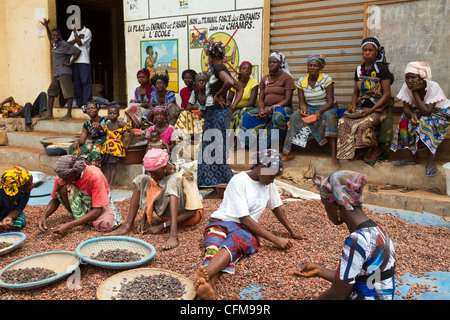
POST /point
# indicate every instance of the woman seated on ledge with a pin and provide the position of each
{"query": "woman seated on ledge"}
(366, 269)
(316, 97)
(426, 116)
(167, 197)
(233, 230)
(370, 103)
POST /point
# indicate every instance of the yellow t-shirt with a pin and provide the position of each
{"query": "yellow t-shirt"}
(248, 91)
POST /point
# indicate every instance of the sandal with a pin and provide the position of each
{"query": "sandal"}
(408, 189)
(403, 162)
(392, 187)
(65, 118)
(428, 171)
(435, 191)
(373, 188)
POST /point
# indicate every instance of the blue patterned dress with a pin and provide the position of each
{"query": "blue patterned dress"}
(212, 159)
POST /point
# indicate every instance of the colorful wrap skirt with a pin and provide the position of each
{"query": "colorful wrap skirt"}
(231, 236)
(212, 159)
(357, 133)
(92, 152)
(326, 127)
(431, 130)
(260, 128)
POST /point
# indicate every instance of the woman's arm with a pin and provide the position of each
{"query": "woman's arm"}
(287, 100)
(425, 109)
(51, 208)
(382, 102)
(330, 99)
(355, 97)
(228, 82)
(81, 140)
(256, 229)
(281, 216)
(92, 215)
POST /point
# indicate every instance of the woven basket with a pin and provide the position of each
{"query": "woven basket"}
(90, 248)
(15, 238)
(63, 263)
(110, 287)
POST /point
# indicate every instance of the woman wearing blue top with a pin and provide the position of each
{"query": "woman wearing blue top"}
(15, 188)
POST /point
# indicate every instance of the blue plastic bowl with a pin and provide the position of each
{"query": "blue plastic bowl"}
(62, 262)
(55, 152)
(15, 238)
(89, 248)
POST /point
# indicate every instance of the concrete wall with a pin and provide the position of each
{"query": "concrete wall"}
(25, 58)
(169, 26)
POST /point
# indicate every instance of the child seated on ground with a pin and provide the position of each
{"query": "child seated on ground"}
(155, 141)
(113, 148)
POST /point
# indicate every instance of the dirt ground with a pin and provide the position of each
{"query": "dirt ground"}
(265, 275)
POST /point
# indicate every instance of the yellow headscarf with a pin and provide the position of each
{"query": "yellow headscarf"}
(13, 179)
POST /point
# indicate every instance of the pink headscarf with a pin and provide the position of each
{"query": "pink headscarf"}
(155, 159)
(421, 68)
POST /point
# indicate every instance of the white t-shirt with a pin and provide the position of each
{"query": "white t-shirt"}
(433, 94)
(246, 197)
(85, 56)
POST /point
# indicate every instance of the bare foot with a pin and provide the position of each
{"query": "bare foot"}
(334, 161)
(28, 129)
(171, 243)
(201, 273)
(204, 290)
(120, 231)
(287, 157)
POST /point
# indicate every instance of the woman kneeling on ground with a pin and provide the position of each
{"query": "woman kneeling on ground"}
(15, 189)
(172, 195)
(366, 269)
(426, 116)
(233, 230)
(84, 192)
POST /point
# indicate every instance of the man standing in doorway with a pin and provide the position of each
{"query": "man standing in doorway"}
(64, 55)
(81, 38)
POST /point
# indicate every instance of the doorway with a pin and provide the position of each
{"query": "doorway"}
(105, 20)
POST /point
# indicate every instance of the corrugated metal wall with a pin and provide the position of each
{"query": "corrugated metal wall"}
(335, 28)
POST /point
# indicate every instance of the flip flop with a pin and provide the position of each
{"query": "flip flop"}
(428, 171)
(435, 191)
(65, 118)
(392, 187)
(408, 189)
(47, 118)
(403, 162)
(373, 188)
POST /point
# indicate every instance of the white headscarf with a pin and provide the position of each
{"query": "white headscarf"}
(419, 67)
(284, 65)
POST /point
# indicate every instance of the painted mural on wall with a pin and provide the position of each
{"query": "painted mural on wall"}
(160, 57)
(171, 45)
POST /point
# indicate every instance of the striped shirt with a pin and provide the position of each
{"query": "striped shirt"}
(316, 96)
(368, 251)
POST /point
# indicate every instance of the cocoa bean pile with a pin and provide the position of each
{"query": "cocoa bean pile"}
(4, 245)
(117, 256)
(266, 274)
(153, 287)
(27, 275)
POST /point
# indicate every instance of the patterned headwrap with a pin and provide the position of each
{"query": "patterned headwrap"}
(269, 158)
(155, 159)
(216, 49)
(163, 109)
(318, 57)
(381, 56)
(13, 179)
(419, 67)
(284, 65)
(67, 166)
(343, 187)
